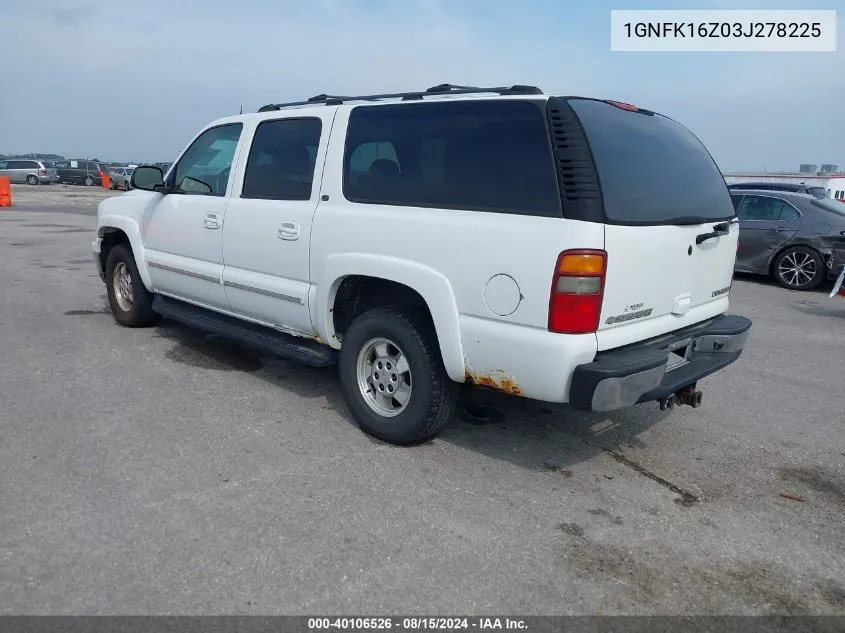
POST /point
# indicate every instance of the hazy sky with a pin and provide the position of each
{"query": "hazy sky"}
(134, 80)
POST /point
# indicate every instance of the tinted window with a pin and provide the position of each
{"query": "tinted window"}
(652, 170)
(736, 199)
(788, 212)
(760, 208)
(819, 192)
(22, 164)
(478, 155)
(280, 164)
(205, 167)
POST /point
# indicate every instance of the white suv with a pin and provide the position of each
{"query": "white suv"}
(558, 248)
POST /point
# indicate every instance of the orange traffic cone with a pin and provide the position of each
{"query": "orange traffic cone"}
(5, 192)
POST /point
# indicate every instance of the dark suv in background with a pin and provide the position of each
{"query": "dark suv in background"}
(78, 171)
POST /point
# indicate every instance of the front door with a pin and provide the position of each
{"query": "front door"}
(183, 230)
(766, 223)
(268, 222)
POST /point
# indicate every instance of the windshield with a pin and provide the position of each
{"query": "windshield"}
(652, 170)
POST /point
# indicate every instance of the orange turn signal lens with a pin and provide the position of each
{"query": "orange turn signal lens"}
(581, 264)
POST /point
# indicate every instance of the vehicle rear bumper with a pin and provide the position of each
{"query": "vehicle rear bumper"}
(642, 372)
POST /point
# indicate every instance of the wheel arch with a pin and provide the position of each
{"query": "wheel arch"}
(434, 289)
(770, 265)
(113, 230)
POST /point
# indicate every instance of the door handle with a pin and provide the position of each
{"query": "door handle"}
(212, 221)
(289, 231)
(783, 229)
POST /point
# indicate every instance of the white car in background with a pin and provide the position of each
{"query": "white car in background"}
(121, 178)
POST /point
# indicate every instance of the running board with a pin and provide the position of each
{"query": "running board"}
(303, 350)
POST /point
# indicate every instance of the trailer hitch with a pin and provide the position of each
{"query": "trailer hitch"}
(685, 396)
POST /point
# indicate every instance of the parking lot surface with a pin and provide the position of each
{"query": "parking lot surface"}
(163, 471)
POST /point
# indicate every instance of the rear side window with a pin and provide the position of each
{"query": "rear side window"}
(766, 209)
(280, 164)
(652, 170)
(492, 156)
(22, 164)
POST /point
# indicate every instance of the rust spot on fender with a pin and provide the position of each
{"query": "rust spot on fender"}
(498, 379)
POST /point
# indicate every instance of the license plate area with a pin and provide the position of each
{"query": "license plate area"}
(679, 354)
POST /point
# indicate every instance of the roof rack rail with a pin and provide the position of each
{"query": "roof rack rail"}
(441, 89)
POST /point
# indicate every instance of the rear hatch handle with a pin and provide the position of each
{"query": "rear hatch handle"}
(723, 228)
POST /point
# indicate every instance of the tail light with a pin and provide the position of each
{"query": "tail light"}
(577, 291)
(43, 171)
(624, 106)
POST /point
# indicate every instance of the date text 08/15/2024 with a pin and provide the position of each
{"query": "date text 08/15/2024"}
(415, 624)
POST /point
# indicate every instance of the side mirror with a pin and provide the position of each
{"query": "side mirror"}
(147, 178)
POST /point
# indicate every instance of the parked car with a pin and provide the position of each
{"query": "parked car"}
(796, 238)
(818, 192)
(499, 237)
(120, 177)
(79, 171)
(24, 170)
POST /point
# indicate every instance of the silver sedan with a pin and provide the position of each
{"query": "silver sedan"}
(120, 178)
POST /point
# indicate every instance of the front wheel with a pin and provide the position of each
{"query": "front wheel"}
(130, 302)
(799, 268)
(89, 181)
(392, 376)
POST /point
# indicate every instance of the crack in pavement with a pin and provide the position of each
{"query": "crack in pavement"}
(686, 497)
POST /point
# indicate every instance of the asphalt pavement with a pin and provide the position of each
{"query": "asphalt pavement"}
(163, 471)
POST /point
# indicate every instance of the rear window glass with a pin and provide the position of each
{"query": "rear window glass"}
(652, 170)
(819, 192)
(479, 155)
(831, 205)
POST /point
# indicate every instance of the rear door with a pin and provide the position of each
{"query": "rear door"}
(766, 223)
(19, 170)
(266, 240)
(670, 229)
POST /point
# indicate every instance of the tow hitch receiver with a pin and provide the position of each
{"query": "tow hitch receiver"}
(687, 395)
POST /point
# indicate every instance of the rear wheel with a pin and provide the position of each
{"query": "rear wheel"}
(32, 179)
(89, 181)
(799, 268)
(129, 300)
(392, 376)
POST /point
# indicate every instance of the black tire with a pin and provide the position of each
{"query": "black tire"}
(799, 268)
(89, 181)
(140, 313)
(32, 179)
(433, 394)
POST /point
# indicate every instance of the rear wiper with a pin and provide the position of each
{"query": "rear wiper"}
(723, 228)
